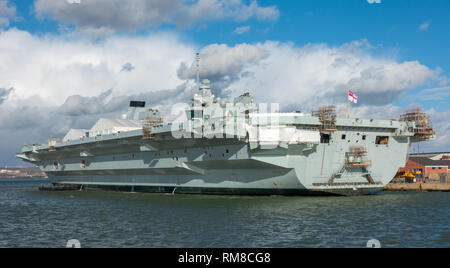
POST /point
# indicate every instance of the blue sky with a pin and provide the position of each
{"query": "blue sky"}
(401, 47)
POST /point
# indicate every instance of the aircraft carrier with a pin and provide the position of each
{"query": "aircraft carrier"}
(236, 148)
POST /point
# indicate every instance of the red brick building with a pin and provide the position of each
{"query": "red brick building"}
(429, 168)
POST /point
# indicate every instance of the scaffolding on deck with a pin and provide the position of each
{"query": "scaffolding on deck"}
(147, 127)
(423, 130)
(357, 157)
(327, 116)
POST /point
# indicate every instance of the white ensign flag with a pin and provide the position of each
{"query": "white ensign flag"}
(352, 97)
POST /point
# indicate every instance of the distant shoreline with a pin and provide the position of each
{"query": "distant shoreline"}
(24, 179)
(21, 173)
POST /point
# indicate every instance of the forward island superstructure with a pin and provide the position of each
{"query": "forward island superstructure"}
(236, 148)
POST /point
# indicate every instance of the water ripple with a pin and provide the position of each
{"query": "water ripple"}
(29, 218)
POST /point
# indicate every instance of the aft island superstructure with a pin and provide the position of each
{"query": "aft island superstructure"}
(214, 147)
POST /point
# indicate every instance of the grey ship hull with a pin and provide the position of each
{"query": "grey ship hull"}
(228, 166)
(251, 153)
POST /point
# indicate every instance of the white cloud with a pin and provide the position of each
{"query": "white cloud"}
(442, 142)
(4, 93)
(242, 30)
(63, 81)
(425, 26)
(230, 9)
(392, 77)
(223, 64)
(56, 67)
(441, 124)
(127, 67)
(106, 16)
(321, 73)
(439, 93)
(7, 13)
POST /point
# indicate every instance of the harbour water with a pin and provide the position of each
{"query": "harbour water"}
(29, 218)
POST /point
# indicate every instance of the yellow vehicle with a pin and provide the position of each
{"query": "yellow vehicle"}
(409, 176)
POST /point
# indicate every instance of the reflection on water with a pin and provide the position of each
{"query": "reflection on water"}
(29, 218)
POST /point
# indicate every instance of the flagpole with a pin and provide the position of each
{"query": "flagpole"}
(348, 104)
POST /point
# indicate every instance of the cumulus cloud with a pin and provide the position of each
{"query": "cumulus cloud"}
(7, 13)
(31, 121)
(442, 142)
(78, 105)
(103, 16)
(109, 14)
(4, 94)
(56, 67)
(62, 82)
(441, 125)
(223, 65)
(281, 72)
(127, 67)
(386, 82)
(318, 73)
(230, 9)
